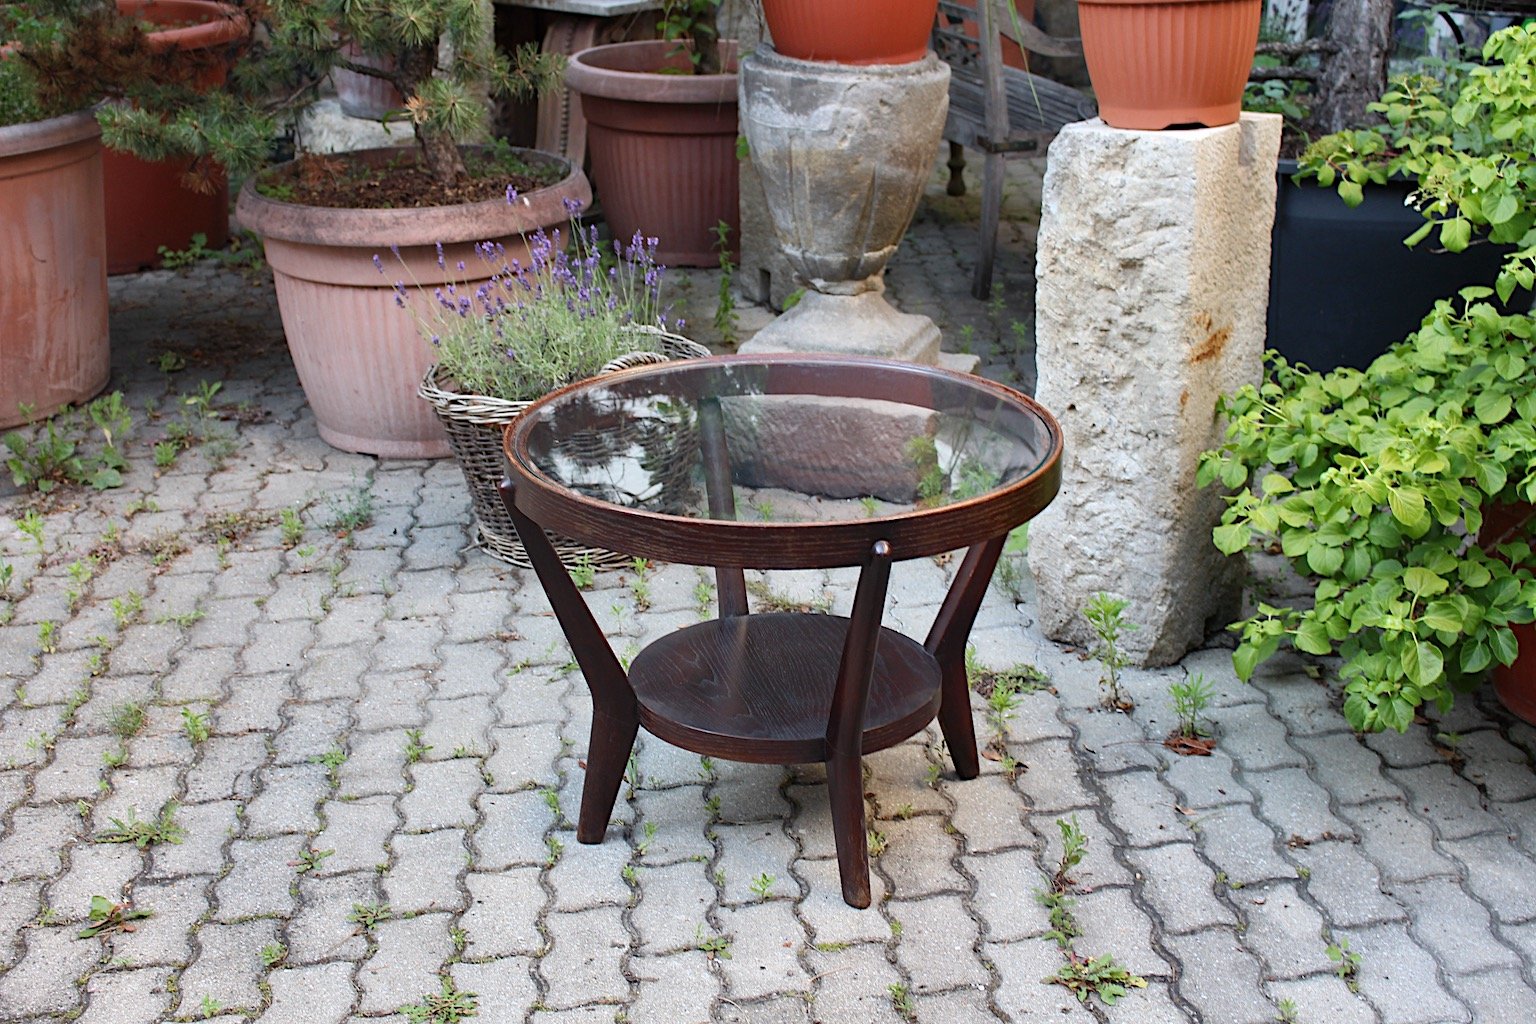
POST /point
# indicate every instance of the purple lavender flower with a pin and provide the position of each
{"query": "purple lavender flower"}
(441, 263)
(511, 195)
(378, 263)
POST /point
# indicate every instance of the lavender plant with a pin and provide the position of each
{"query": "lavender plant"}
(576, 304)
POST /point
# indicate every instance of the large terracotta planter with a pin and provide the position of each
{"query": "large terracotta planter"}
(1515, 684)
(851, 31)
(147, 204)
(53, 278)
(360, 356)
(662, 146)
(1165, 63)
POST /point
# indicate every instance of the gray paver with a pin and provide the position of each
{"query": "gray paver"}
(583, 960)
(1425, 865)
(321, 994)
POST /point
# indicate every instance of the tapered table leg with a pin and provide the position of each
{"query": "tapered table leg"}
(946, 642)
(615, 718)
(845, 726)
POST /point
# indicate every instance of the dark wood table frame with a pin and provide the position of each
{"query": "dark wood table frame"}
(869, 709)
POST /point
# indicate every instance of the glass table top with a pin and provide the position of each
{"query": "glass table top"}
(797, 439)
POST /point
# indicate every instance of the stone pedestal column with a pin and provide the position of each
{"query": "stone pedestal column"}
(843, 153)
(1153, 271)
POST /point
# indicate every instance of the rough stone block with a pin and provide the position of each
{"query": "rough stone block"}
(1153, 269)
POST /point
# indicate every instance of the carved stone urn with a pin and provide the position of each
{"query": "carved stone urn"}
(843, 152)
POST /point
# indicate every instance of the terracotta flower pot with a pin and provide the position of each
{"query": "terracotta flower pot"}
(53, 278)
(1515, 684)
(851, 31)
(359, 356)
(365, 96)
(1162, 63)
(662, 146)
(147, 204)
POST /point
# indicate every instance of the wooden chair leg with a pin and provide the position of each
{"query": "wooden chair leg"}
(956, 169)
(991, 212)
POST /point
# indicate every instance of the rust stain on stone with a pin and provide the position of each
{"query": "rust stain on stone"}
(1216, 339)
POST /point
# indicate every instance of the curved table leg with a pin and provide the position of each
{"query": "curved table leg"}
(845, 726)
(615, 719)
(946, 642)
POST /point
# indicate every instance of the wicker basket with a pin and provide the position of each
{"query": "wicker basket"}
(475, 425)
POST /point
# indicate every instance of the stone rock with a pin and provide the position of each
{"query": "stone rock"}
(1153, 271)
(833, 447)
(323, 128)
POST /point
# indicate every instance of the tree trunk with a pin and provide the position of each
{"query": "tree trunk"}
(441, 154)
(1355, 73)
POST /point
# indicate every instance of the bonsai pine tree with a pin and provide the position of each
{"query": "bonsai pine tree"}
(439, 54)
(68, 55)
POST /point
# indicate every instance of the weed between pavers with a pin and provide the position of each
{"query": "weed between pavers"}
(447, 1006)
(1081, 975)
(1190, 736)
(1106, 615)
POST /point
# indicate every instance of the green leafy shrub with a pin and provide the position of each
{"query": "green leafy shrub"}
(1376, 484)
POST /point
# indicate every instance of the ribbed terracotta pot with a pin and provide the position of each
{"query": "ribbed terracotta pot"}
(147, 204)
(851, 31)
(53, 272)
(1514, 684)
(359, 355)
(662, 146)
(1163, 63)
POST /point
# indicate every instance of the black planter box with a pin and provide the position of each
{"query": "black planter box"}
(1342, 285)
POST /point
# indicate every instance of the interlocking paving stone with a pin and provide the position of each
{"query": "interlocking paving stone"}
(1294, 804)
(765, 939)
(587, 876)
(1242, 847)
(854, 984)
(1143, 808)
(679, 988)
(1398, 976)
(1113, 923)
(228, 968)
(512, 832)
(1397, 841)
(1323, 998)
(287, 801)
(1503, 878)
(1347, 769)
(504, 989)
(1206, 782)
(1284, 929)
(43, 980)
(207, 828)
(37, 834)
(1495, 995)
(321, 994)
(127, 996)
(405, 963)
(1007, 883)
(165, 937)
(1462, 937)
(425, 872)
(443, 795)
(936, 943)
(1023, 994)
(919, 857)
(1345, 881)
(1453, 807)
(1179, 886)
(582, 964)
(1220, 978)
(323, 928)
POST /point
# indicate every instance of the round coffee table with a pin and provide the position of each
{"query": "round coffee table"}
(837, 461)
